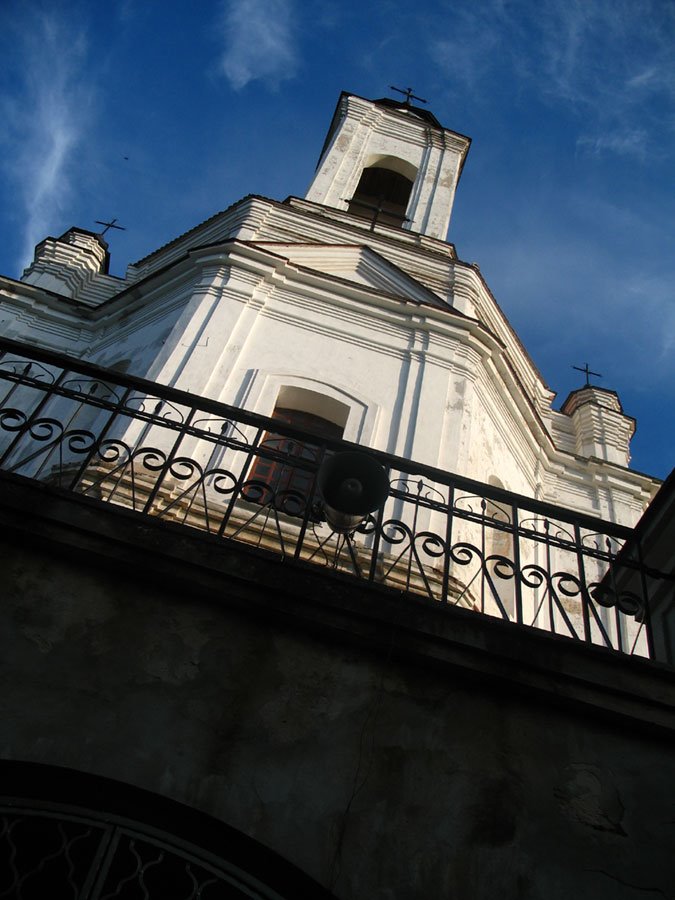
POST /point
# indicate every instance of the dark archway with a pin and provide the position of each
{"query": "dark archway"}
(381, 196)
(69, 834)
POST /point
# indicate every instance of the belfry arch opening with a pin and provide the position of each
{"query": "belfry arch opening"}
(383, 192)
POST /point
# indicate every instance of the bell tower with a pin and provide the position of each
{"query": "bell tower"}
(389, 162)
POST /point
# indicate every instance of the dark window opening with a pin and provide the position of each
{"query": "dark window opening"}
(381, 196)
(282, 482)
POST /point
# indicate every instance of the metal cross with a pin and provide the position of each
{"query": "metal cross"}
(408, 94)
(587, 372)
(110, 225)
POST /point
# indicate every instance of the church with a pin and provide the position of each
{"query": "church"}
(311, 589)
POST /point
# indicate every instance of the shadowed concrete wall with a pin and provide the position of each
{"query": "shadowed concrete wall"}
(387, 748)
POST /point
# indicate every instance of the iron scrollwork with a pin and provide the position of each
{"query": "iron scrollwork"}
(200, 464)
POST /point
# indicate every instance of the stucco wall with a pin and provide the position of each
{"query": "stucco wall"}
(378, 775)
(237, 321)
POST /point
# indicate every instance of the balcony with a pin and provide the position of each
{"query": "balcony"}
(247, 480)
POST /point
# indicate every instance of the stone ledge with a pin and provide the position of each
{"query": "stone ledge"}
(411, 628)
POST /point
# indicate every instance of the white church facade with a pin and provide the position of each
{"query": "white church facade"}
(346, 313)
(220, 681)
(350, 305)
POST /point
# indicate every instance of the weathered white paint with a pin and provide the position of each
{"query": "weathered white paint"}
(365, 134)
(267, 297)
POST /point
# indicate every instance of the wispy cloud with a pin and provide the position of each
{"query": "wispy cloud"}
(259, 42)
(468, 50)
(652, 295)
(606, 47)
(45, 116)
(632, 142)
(609, 61)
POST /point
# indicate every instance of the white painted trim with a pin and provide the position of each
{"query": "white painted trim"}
(263, 392)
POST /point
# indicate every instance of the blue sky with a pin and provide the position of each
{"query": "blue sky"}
(162, 113)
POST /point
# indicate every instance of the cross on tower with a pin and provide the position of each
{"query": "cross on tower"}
(110, 225)
(587, 372)
(408, 92)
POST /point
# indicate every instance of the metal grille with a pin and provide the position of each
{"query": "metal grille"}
(72, 856)
(456, 542)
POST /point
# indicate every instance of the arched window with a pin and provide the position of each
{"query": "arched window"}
(382, 195)
(282, 480)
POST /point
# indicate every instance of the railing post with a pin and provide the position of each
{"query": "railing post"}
(375, 549)
(518, 586)
(581, 570)
(449, 528)
(15, 385)
(114, 413)
(170, 457)
(49, 392)
(308, 503)
(646, 604)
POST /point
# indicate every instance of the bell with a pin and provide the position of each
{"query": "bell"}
(352, 485)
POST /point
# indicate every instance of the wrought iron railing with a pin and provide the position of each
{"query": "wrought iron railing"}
(247, 478)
